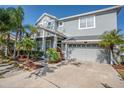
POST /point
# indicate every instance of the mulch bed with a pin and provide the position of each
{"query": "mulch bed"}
(120, 69)
(118, 66)
(32, 66)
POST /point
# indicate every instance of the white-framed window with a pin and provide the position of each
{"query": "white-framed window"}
(87, 22)
(84, 46)
(48, 44)
(61, 24)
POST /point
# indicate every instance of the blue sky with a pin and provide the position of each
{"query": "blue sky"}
(33, 12)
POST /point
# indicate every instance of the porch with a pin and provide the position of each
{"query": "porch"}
(49, 39)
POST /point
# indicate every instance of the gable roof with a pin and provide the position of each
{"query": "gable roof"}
(45, 14)
(117, 8)
(93, 12)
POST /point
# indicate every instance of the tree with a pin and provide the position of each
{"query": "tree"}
(6, 27)
(17, 15)
(26, 44)
(109, 39)
(31, 30)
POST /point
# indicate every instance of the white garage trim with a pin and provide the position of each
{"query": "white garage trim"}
(81, 41)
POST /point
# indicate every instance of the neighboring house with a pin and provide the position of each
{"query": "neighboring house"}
(77, 35)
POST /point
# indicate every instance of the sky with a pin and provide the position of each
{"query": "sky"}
(33, 12)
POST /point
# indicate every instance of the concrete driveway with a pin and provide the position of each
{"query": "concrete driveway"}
(72, 75)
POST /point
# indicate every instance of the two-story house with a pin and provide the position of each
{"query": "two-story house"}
(78, 35)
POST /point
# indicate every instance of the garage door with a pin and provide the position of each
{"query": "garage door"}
(88, 52)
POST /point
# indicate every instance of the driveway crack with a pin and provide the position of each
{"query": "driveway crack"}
(52, 83)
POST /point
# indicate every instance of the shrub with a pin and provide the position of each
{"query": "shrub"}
(33, 53)
(53, 55)
(37, 54)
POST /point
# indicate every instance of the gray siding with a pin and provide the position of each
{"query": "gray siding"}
(104, 22)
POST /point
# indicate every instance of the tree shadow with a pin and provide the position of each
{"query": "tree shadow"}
(106, 85)
(9, 70)
(104, 56)
(77, 64)
(62, 64)
(42, 71)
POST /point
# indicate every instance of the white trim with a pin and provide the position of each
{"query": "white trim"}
(94, 24)
(43, 34)
(45, 14)
(52, 32)
(81, 41)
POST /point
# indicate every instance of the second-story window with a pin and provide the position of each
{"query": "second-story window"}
(61, 24)
(49, 25)
(87, 22)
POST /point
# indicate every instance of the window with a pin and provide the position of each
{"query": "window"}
(82, 22)
(61, 24)
(87, 22)
(84, 46)
(49, 25)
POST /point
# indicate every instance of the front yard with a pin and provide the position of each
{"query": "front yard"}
(65, 75)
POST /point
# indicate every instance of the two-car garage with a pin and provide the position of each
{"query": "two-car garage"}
(86, 49)
(87, 52)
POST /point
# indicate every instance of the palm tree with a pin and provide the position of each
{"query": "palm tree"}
(26, 44)
(6, 26)
(17, 15)
(31, 30)
(109, 39)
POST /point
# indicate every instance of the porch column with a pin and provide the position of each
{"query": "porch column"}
(66, 51)
(43, 41)
(55, 41)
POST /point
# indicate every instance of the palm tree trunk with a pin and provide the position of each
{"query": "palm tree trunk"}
(8, 42)
(7, 46)
(5, 51)
(113, 55)
(20, 37)
(27, 60)
(16, 39)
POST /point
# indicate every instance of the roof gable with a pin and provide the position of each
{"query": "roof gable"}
(117, 8)
(43, 15)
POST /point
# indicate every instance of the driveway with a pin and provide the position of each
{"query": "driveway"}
(72, 75)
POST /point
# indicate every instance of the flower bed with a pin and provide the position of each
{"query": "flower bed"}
(30, 66)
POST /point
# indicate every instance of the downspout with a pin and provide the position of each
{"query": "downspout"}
(43, 44)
